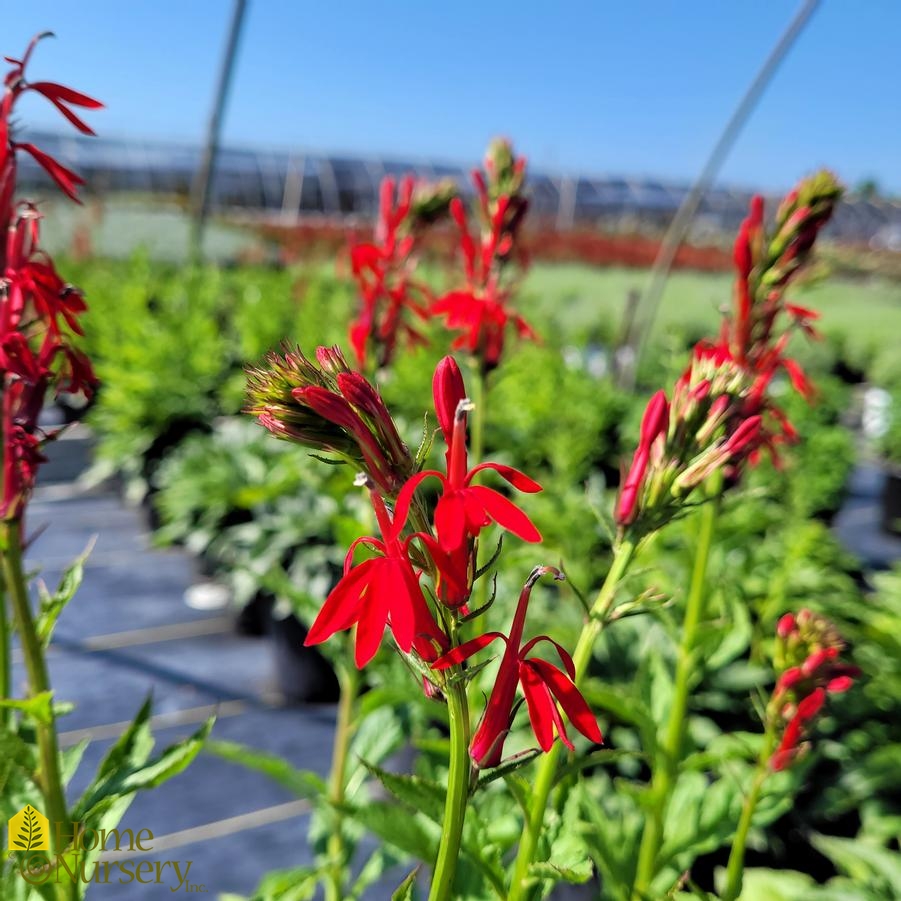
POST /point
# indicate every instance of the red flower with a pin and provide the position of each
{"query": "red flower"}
(383, 591)
(30, 276)
(63, 99)
(479, 310)
(383, 270)
(464, 509)
(543, 684)
(35, 354)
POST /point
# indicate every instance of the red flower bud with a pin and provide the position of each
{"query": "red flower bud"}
(787, 624)
(655, 420)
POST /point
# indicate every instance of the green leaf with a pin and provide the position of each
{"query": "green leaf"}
(71, 758)
(397, 826)
(404, 891)
(521, 789)
(54, 604)
(509, 766)
(38, 707)
(15, 755)
(125, 769)
(759, 884)
(303, 783)
(865, 862)
(420, 794)
(379, 862)
(298, 884)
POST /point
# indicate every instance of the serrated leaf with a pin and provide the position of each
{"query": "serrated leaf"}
(396, 826)
(420, 794)
(548, 869)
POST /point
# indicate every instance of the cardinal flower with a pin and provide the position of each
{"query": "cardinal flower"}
(383, 269)
(379, 592)
(480, 310)
(543, 684)
(464, 509)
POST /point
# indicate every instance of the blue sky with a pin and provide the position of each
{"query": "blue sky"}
(632, 88)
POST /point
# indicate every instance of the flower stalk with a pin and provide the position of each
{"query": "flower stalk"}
(666, 771)
(547, 768)
(736, 867)
(349, 683)
(50, 778)
(458, 780)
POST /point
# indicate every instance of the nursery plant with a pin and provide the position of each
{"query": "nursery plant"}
(52, 844)
(490, 811)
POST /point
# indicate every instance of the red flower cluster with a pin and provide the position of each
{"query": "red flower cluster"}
(721, 415)
(383, 270)
(462, 511)
(811, 644)
(480, 308)
(386, 591)
(37, 308)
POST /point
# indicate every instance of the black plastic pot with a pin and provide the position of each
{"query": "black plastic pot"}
(891, 500)
(302, 675)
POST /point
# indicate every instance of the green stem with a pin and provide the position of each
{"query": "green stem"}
(50, 779)
(349, 681)
(547, 768)
(457, 795)
(666, 771)
(5, 672)
(736, 866)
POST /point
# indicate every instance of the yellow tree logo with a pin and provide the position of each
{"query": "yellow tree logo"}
(29, 830)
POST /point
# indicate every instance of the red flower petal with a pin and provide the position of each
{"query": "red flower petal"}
(67, 180)
(812, 704)
(564, 654)
(342, 607)
(505, 513)
(570, 699)
(450, 519)
(540, 705)
(466, 650)
(370, 630)
(520, 481)
(51, 91)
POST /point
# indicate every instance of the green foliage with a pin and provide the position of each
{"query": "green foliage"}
(170, 345)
